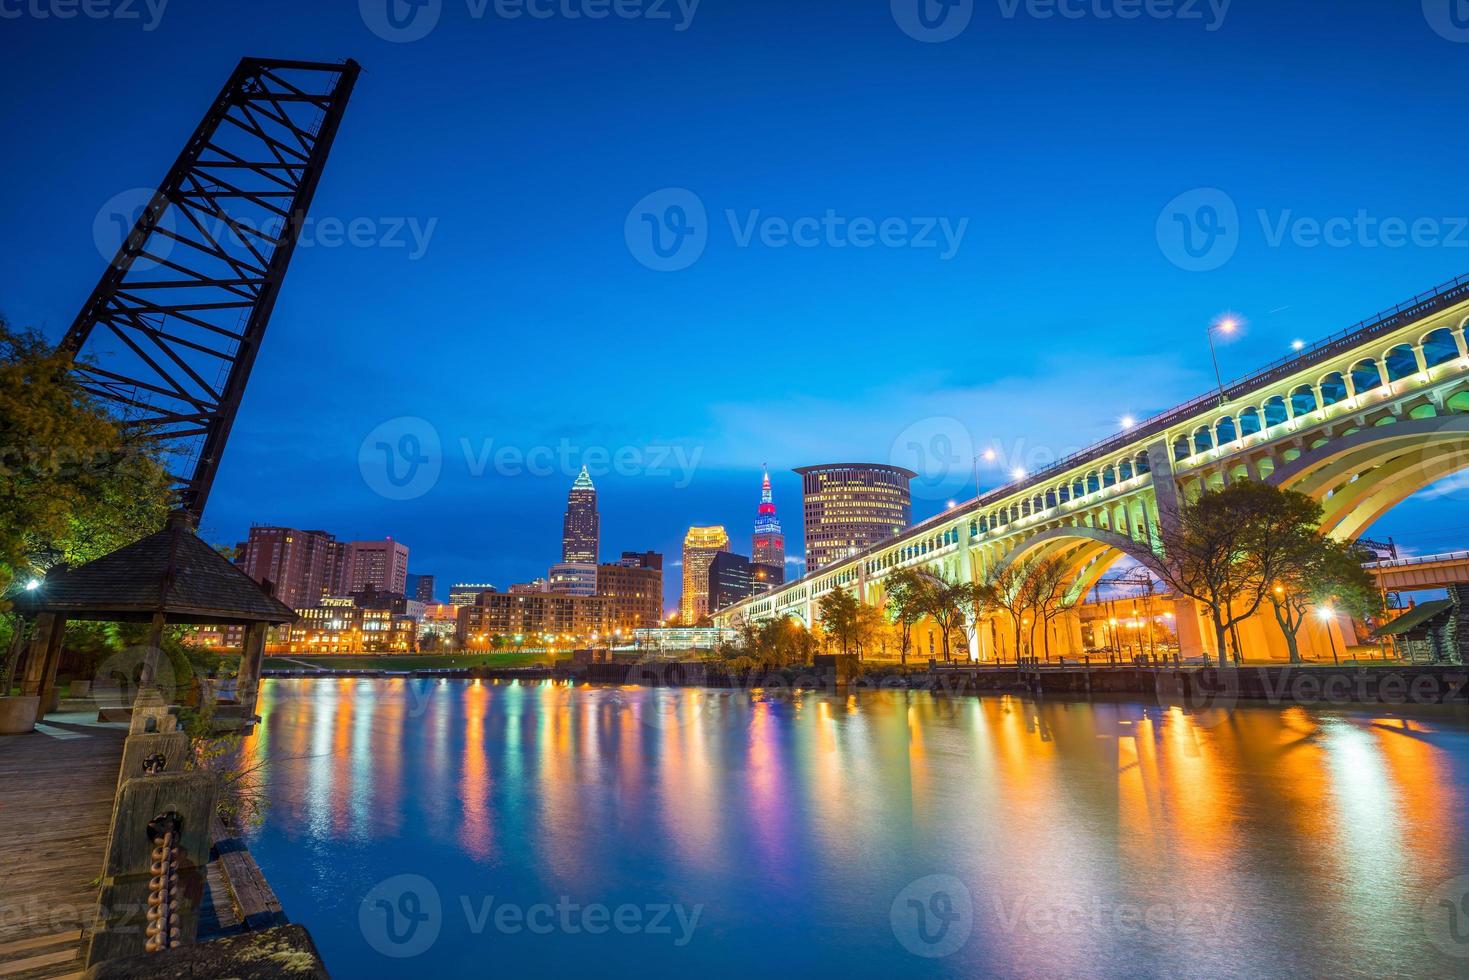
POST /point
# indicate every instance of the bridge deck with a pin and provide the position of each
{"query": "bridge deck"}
(56, 793)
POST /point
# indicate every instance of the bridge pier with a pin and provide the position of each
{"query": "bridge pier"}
(1186, 616)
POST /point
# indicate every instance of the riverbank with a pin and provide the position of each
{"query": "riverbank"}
(1200, 686)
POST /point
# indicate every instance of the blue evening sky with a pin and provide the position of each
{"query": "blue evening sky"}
(518, 147)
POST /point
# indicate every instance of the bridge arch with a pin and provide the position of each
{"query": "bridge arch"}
(1060, 537)
(1361, 476)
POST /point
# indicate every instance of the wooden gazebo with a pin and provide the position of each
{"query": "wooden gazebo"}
(171, 577)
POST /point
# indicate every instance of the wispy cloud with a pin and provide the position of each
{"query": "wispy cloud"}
(1071, 402)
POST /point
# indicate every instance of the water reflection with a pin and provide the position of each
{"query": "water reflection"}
(1111, 838)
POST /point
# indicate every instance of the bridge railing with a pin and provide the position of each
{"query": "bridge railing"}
(1417, 560)
(1419, 306)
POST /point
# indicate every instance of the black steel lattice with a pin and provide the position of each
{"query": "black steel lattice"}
(169, 335)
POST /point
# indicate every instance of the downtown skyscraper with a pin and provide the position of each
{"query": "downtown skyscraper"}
(581, 528)
(700, 546)
(769, 543)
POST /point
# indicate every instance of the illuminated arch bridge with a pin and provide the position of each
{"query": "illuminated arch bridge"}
(1359, 421)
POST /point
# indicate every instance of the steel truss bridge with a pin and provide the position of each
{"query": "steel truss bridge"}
(168, 336)
(1358, 421)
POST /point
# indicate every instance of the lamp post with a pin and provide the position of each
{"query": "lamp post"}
(1227, 326)
(1327, 614)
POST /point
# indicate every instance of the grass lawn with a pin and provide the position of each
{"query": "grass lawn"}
(403, 661)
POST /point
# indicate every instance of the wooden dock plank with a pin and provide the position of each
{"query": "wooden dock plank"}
(56, 797)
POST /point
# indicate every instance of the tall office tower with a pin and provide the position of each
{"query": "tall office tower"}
(769, 541)
(302, 565)
(581, 527)
(380, 564)
(849, 506)
(700, 546)
(729, 580)
(424, 592)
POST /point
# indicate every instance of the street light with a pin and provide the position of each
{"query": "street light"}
(1226, 325)
(1327, 614)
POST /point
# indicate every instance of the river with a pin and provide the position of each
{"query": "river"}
(450, 827)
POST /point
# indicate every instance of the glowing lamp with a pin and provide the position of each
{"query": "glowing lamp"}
(1018, 473)
(33, 585)
(1128, 421)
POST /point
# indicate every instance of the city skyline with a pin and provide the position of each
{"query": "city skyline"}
(956, 349)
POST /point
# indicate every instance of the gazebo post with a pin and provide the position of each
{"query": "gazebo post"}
(149, 676)
(41, 663)
(252, 659)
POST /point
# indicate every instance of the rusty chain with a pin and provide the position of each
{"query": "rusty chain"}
(163, 885)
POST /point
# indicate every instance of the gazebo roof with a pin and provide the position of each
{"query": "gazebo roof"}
(1417, 618)
(172, 572)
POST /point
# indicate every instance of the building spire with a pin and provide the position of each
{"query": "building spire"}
(583, 480)
(769, 542)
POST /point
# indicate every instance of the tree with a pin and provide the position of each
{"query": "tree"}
(1045, 591)
(1320, 572)
(839, 616)
(56, 444)
(1005, 588)
(905, 604)
(73, 485)
(950, 605)
(871, 627)
(1229, 546)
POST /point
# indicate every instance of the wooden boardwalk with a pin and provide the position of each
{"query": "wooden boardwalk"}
(57, 787)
